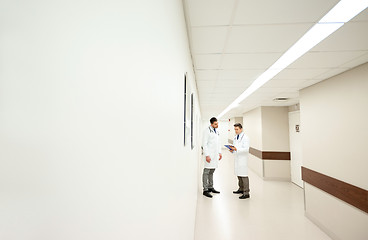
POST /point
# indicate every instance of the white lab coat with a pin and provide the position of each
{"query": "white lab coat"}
(241, 155)
(211, 147)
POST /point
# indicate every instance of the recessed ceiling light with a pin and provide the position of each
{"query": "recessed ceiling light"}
(333, 20)
(281, 99)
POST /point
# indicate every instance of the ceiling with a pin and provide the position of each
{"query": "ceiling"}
(234, 41)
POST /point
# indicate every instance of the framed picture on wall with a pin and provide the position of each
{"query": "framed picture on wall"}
(191, 120)
(185, 107)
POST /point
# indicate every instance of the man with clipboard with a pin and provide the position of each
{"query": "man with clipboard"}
(240, 150)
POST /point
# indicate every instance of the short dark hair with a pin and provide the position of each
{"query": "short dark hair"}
(238, 125)
(212, 120)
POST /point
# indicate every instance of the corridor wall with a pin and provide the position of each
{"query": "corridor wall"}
(267, 128)
(91, 121)
(334, 143)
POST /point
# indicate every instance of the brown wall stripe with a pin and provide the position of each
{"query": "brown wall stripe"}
(270, 155)
(346, 192)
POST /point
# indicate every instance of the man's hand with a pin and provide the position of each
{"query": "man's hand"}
(220, 156)
(208, 159)
(233, 148)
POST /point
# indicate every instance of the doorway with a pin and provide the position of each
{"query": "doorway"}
(295, 148)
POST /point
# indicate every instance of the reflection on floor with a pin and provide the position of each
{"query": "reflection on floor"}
(275, 210)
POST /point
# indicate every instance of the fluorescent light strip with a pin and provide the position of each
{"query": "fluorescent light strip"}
(333, 20)
(344, 11)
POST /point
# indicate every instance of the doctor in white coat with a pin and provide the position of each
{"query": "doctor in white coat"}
(212, 155)
(240, 152)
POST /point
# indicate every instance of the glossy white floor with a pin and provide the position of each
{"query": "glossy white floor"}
(275, 210)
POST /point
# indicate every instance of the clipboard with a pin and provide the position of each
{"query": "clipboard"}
(229, 146)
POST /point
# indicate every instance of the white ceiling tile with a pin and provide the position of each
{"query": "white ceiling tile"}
(330, 73)
(207, 61)
(299, 74)
(210, 12)
(281, 11)
(352, 36)
(205, 84)
(262, 31)
(264, 38)
(294, 94)
(208, 39)
(247, 74)
(325, 59)
(308, 83)
(249, 61)
(283, 83)
(206, 74)
(356, 62)
(363, 16)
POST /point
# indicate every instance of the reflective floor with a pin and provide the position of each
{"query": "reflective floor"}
(275, 210)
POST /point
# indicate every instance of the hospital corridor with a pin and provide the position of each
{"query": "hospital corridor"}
(183, 120)
(275, 210)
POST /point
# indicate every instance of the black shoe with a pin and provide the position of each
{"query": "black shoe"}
(207, 194)
(238, 192)
(244, 196)
(214, 190)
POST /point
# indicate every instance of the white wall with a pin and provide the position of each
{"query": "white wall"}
(231, 134)
(252, 125)
(268, 130)
(224, 132)
(334, 137)
(275, 129)
(89, 92)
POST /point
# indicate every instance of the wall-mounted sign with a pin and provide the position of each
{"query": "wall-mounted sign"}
(297, 128)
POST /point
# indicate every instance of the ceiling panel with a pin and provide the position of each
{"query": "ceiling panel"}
(330, 73)
(352, 36)
(206, 74)
(208, 39)
(207, 61)
(356, 62)
(232, 45)
(210, 12)
(325, 59)
(281, 11)
(309, 83)
(243, 61)
(298, 74)
(264, 38)
(240, 74)
(363, 16)
(283, 83)
(205, 84)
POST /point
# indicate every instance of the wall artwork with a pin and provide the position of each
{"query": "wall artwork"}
(185, 107)
(192, 120)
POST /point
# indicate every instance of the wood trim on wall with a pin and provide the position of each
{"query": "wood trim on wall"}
(346, 192)
(267, 155)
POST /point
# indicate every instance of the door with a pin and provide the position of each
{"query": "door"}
(295, 148)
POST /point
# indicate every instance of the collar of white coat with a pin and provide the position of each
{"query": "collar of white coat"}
(240, 135)
(212, 128)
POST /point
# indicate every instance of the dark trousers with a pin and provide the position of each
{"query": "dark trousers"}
(244, 184)
(207, 178)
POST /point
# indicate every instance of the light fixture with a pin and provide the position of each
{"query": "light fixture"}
(280, 99)
(341, 13)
